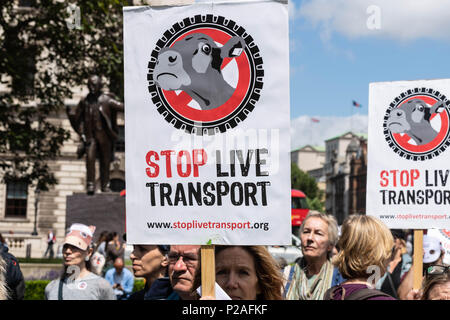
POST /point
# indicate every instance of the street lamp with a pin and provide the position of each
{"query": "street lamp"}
(36, 203)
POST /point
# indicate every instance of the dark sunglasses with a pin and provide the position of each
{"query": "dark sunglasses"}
(436, 270)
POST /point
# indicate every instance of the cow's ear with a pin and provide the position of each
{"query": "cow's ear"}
(438, 107)
(233, 48)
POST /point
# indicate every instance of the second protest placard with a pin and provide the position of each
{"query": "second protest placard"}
(408, 180)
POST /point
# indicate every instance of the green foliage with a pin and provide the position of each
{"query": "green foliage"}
(40, 260)
(41, 60)
(139, 284)
(35, 289)
(302, 181)
(315, 204)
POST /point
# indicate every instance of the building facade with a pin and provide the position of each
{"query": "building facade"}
(311, 159)
(344, 179)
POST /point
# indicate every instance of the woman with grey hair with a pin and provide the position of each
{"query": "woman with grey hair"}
(314, 273)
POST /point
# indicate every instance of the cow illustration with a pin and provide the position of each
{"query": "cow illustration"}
(193, 65)
(413, 119)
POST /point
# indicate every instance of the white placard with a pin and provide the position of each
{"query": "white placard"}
(207, 124)
(408, 179)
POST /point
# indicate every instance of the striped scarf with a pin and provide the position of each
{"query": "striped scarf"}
(297, 287)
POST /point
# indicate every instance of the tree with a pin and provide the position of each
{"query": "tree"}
(41, 60)
(302, 181)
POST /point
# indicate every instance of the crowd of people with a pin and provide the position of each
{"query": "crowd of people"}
(364, 260)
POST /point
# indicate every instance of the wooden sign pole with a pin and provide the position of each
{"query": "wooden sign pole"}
(418, 259)
(208, 270)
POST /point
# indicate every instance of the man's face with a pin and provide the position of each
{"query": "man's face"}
(183, 261)
(118, 265)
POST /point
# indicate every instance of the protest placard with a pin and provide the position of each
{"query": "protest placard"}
(408, 179)
(408, 185)
(207, 123)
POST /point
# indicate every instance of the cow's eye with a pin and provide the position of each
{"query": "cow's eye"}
(420, 108)
(206, 48)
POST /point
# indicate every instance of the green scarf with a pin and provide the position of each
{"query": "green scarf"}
(298, 286)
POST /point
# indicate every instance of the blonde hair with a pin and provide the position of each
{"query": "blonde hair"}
(329, 220)
(3, 290)
(365, 241)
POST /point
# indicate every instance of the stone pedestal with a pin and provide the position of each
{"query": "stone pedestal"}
(106, 211)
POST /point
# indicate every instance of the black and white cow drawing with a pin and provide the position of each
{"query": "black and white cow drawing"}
(413, 118)
(193, 65)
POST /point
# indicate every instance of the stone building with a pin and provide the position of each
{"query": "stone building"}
(345, 176)
(358, 178)
(311, 160)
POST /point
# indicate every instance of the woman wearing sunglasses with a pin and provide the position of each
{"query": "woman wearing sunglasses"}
(77, 282)
(437, 283)
(433, 254)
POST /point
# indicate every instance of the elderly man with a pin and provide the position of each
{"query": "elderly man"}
(94, 119)
(183, 262)
(121, 279)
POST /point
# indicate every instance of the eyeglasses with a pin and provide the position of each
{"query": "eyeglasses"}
(437, 270)
(189, 260)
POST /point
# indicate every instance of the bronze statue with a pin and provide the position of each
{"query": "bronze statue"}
(94, 119)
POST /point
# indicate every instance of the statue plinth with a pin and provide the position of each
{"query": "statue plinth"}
(106, 211)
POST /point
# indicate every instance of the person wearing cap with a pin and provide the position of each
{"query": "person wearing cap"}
(398, 266)
(77, 282)
(150, 262)
(433, 254)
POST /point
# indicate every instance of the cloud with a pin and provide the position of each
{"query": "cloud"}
(403, 20)
(292, 9)
(304, 131)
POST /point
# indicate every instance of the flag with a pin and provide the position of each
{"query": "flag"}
(315, 120)
(356, 104)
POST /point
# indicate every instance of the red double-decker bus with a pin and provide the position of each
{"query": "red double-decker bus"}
(299, 209)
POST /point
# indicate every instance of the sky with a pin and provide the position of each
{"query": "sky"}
(338, 47)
